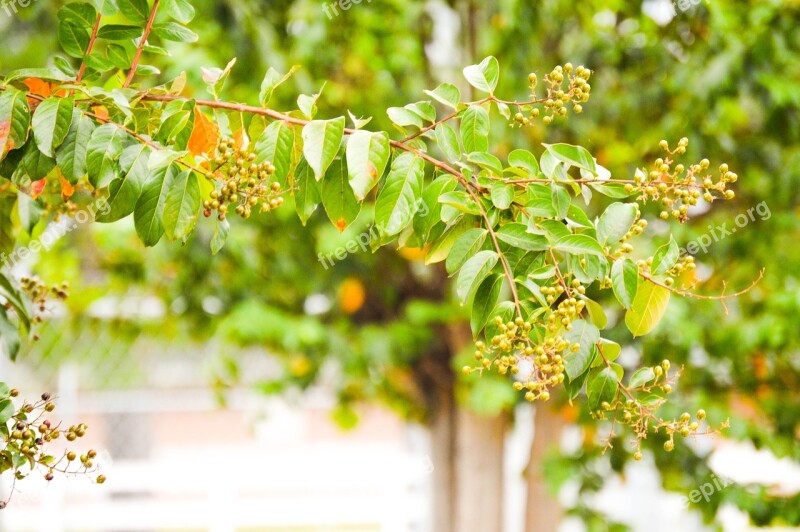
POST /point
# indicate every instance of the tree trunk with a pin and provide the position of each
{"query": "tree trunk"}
(543, 512)
(467, 454)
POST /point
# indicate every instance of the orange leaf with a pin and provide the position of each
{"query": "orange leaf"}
(67, 190)
(37, 187)
(5, 131)
(205, 135)
(240, 139)
(39, 87)
(100, 111)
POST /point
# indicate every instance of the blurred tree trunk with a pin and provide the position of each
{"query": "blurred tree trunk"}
(467, 454)
(543, 512)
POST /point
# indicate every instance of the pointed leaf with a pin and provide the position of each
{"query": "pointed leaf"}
(397, 200)
(51, 123)
(321, 140)
(367, 156)
(648, 308)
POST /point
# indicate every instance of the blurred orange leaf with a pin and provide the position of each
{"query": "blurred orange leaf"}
(352, 295)
(204, 137)
(67, 190)
(37, 187)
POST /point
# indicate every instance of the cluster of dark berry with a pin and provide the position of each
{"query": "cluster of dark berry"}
(26, 437)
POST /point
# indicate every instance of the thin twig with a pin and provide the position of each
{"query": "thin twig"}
(142, 42)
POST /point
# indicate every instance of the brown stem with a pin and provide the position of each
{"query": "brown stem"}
(89, 48)
(139, 48)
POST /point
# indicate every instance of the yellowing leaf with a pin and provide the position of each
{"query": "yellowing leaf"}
(648, 308)
(204, 137)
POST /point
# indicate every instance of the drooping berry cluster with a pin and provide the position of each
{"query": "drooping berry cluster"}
(39, 293)
(27, 434)
(245, 184)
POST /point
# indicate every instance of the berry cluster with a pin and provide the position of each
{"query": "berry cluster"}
(677, 188)
(558, 98)
(38, 293)
(246, 184)
(26, 435)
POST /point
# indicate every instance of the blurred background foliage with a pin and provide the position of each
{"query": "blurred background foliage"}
(724, 74)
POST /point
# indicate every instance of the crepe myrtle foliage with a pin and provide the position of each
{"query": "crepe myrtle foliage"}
(523, 253)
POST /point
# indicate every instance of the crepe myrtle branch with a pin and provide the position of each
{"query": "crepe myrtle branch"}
(142, 42)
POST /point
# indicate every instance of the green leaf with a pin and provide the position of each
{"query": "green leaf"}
(34, 166)
(503, 195)
(271, 81)
(136, 11)
(215, 77)
(525, 160)
(625, 281)
(485, 301)
(102, 153)
(586, 335)
(321, 140)
(119, 32)
(119, 56)
(467, 245)
(306, 197)
(447, 94)
(486, 161)
(9, 339)
(475, 129)
(448, 141)
(367, 156)
(404, 117)
(579, 245)
(182, 205)
(276, 144)
(665, 257)
(561, 201)
(171, 31)
(602, 387)
(7, 409)
(596, 313)
(150, 208)
(641, 377)
(429, 213)
(484, 76)
(573, 156)
(398, 198)
(80, 13)
(474, 272)
(15, 120)
(517, 235)
(124, 192)
(73, 38)
(648, 308)
(180, 10)
(337, 197)
(51, 123)
(221, 231)
(615, 222)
